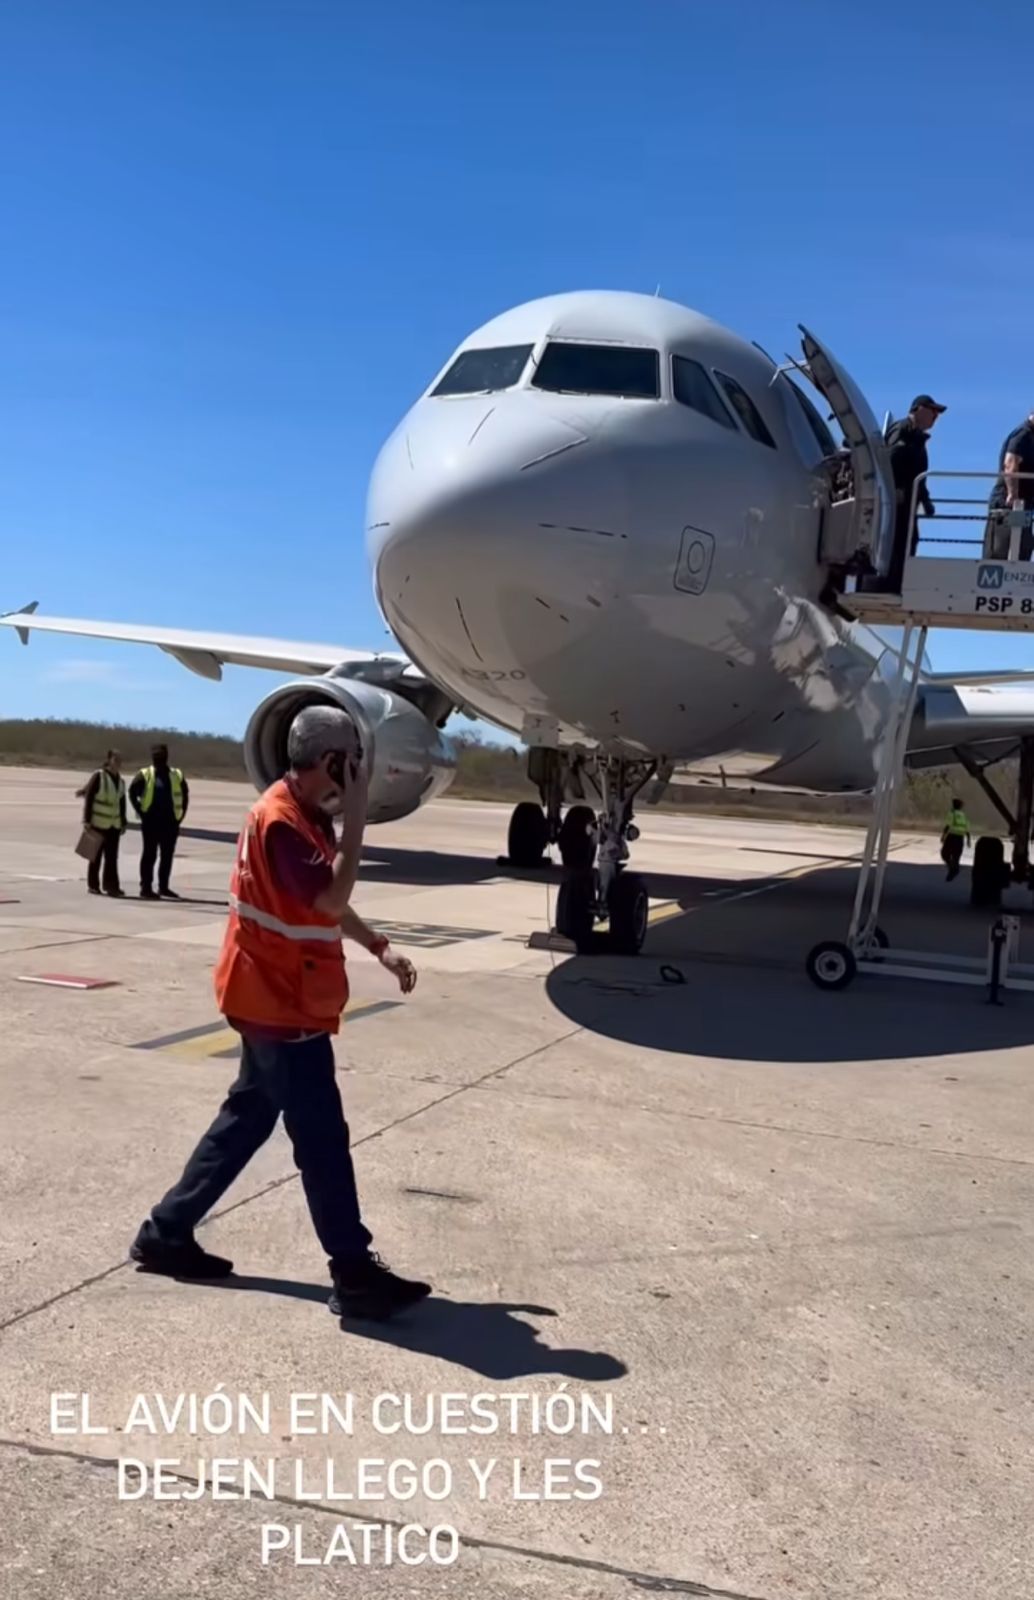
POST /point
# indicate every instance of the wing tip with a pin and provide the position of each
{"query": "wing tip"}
(24, 611)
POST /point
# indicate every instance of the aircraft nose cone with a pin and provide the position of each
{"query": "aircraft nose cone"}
(490, 524)
(484, 483)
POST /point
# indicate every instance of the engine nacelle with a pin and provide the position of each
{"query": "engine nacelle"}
(408, 761)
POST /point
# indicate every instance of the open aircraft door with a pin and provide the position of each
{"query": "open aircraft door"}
(862, 524)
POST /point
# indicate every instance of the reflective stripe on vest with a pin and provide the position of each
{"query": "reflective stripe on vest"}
(288, 930)
(147, 798)
(106, 810)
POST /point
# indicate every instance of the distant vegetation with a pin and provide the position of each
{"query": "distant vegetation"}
(485, 772)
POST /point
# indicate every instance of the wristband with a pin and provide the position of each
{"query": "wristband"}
(380, 946)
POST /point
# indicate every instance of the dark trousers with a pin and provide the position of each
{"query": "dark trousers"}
(951, 853)
(159, 845)
(904, 546)
(105, 862)
(299, 1081)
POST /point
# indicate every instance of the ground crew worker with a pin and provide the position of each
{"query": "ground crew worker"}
(104, 810)
(906, 442)
(954, 839)
(280, 981)
(1013, 493)
(160, 796)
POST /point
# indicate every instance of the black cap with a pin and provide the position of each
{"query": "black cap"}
(928, 401)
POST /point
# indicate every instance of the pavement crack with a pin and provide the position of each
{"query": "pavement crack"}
(773, 1127)
(62, 1294)
(68, 941)
(650, 1582)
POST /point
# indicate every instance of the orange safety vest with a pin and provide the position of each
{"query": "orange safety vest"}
(281, 964)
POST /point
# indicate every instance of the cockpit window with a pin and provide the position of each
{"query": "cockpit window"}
(692, 387)
(567, 368)
(823, 437)
(746, 410)
(485, 371)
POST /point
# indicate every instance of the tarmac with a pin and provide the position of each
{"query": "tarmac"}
(750, 1264)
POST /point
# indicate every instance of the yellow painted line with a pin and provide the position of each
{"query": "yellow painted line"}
(662, 912)
(221, 1037)
(206, 1044)
(657, 913)
(722, 897)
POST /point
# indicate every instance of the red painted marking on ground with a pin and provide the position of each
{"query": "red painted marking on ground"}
(64, 980)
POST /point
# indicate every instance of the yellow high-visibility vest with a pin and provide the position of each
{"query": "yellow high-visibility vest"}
(106, 811)
(146, 800)
(958, 823)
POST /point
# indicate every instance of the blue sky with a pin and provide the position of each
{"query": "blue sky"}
(237, 238)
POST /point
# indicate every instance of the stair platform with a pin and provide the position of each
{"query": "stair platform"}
(938, 592)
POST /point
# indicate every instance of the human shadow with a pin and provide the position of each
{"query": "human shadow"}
(487, 1337)
(192, 900)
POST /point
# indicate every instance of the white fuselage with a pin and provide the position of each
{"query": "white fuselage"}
(628, 572)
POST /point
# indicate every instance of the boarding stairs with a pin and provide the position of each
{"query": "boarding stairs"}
(970, 568)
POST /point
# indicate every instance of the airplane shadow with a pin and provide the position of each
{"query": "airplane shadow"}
(728, 981)
(486, 1337)
(428, 869)
(740, 951)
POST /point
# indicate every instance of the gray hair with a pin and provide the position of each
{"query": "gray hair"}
(317, 731)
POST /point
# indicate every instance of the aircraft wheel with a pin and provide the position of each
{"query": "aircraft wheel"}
(577, 838)
(879, 943)
(629, 914)
(576, 909)
(831, 965)
(989, 874)
(528, 836)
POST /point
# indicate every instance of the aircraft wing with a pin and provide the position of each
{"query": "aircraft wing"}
(207, 653)
(971, 710)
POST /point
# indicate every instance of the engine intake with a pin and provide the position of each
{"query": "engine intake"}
(408, 760)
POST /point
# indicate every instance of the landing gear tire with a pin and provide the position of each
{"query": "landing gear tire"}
(576, 910)
(831, 965)
(878, 943)
(989, 874)
(577, 838)
(528, 835)
(629, 914)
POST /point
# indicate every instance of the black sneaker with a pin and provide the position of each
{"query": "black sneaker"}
(115, 894)
(93, 891)
(369, 1290)
(179, 1260)
(148, 894)
(168, 894)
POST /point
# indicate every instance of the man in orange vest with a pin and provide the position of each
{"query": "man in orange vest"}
(280, 981)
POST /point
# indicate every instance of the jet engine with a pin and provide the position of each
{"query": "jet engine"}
(408, 761)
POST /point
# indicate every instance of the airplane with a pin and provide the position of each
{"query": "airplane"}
(609, 526)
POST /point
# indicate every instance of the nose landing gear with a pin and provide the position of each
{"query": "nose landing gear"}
(597, 888)
(600, 904)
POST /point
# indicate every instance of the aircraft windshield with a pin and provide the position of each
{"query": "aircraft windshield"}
(825, 440)
(567, 368)
(485, 371)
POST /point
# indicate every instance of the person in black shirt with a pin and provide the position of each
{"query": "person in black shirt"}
(1012, 493)
(159, 795)
(906, 443)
